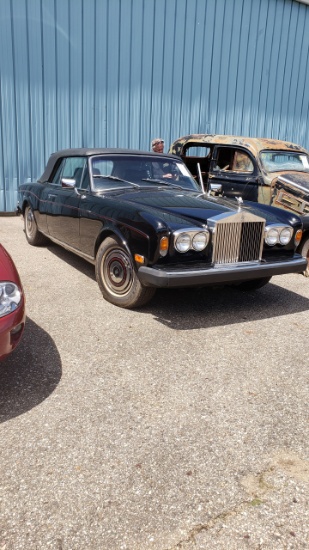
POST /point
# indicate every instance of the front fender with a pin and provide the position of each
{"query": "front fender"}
(111, 232)
(134, 241)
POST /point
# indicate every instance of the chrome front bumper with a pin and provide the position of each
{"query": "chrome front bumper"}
(167, 276)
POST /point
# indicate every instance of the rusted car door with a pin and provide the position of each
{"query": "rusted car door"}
(235, 173)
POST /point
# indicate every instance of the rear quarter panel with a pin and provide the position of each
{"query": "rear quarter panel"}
(32, 194)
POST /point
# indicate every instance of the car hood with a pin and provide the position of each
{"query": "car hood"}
(299, 180)
(181, 207)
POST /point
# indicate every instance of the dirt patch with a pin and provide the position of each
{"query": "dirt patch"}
(292, 465)
(289, 463)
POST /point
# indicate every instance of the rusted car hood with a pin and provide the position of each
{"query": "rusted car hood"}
(291, 191)
(300, 180)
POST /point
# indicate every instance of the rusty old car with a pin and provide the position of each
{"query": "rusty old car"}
(268, 171)
(142, 220)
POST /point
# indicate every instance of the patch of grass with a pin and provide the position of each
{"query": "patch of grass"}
(256, 502)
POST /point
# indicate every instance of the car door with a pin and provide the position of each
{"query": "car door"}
(235, 173)
(64, 202)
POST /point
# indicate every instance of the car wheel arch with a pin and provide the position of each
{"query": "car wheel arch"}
(110, 232)
(24, 206)
(27, 202)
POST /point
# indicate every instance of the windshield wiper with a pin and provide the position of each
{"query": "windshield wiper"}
(114, 178)
(107, 177)
(163, 182)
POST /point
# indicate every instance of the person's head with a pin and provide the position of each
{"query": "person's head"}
(157, 145)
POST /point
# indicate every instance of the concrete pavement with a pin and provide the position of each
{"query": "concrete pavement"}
(183, 425)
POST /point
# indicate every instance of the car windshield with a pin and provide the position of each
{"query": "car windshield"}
(119, 171)
(276, 161)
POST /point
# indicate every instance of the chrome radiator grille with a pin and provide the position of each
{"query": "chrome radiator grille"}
(238, 238)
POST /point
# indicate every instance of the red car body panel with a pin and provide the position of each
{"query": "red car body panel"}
(10, 322)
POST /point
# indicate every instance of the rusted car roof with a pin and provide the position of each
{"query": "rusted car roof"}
(254, 144)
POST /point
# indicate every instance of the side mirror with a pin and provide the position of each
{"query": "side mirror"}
(68, 182)
(215, 188)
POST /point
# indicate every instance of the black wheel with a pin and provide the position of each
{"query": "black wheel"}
(254, 284)
(304, 251)
(33, 235)
(117, 277)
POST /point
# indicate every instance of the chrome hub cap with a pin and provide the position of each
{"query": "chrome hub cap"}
(118, 272)
(29, 221)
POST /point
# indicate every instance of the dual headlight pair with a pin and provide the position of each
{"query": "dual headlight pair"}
(191, 239)
(278, 235)
(198, 240)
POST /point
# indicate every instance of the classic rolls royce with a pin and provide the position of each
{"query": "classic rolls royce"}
(144, 223)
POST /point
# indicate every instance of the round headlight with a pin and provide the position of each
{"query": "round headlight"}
(272, 236)
(10, 297)
(183, 242)
(199, 241)
(285, 235)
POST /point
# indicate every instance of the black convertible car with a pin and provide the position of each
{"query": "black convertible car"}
(143, 221)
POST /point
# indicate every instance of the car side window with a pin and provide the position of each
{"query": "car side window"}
(233, 160)
(224, 158)
(85, 182)
(193, 150)
(72, 168)
(57, 175)
(79, 174)
(194, 154)
(242, 162)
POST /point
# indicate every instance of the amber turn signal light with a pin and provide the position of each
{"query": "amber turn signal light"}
(298, 236)
(139, 259)
(163, 246)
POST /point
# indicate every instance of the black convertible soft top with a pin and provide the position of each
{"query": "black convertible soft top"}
(84, 152)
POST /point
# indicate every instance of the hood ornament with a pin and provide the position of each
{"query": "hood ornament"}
(240, 202)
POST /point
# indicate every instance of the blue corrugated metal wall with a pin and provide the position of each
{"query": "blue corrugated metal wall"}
(119, 72)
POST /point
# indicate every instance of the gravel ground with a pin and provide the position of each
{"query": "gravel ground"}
(183, 425)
